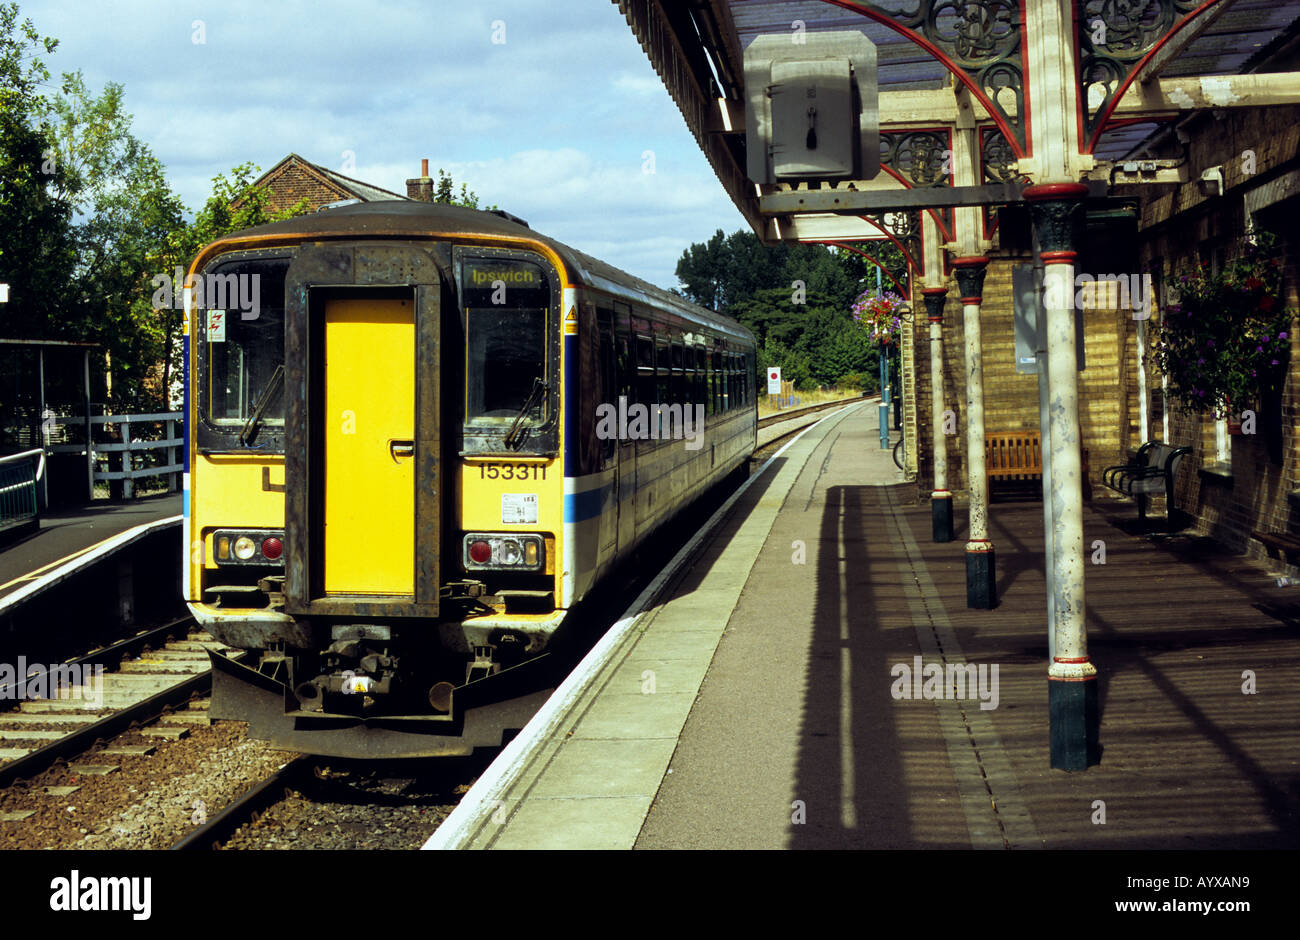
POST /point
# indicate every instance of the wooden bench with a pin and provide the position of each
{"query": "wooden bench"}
(1153, 470)
(1287, 545)
(1018, 456)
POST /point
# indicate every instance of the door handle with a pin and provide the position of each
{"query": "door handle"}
(398, 449)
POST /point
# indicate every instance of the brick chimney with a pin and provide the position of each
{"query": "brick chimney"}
(422, 187)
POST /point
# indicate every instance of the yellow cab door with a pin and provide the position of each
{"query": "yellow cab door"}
(369, 444)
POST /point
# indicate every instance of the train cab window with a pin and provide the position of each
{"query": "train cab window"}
(239, 331)
(507, 304)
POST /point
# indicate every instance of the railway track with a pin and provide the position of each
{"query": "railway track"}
(810, 409)
(152, 673)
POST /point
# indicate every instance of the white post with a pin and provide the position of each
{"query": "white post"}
(1144, 415)
(171, 456)
(128, 489)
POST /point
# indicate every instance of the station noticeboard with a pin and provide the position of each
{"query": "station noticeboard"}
(774, 380)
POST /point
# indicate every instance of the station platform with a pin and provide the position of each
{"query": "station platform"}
(66, 535)
(757, 704)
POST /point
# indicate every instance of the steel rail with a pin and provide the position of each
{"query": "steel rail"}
(212, 833)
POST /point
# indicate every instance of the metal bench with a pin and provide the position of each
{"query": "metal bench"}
(1018, 456)
(1152, 470)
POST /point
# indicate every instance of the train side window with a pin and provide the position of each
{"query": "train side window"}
(608, 369)
(623, 363)
(697, 377)
(663, 371)
(645, 369)
(677, 391)
(719, 384)
(706, 381)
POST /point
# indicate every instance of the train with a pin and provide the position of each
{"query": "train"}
(418, 435)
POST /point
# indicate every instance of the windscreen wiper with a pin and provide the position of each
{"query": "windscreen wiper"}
(249, 430)
(515, 436)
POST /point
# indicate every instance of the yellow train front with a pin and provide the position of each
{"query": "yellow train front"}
(418, 435)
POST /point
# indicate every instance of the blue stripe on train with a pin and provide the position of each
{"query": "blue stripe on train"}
(578, 507)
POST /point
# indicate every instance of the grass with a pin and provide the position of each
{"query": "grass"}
(815, 397)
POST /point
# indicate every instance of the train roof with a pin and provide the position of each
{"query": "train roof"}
(415, 219)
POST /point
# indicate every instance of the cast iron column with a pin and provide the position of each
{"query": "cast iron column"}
(941, 498)
(981, 585)
(1057, 210)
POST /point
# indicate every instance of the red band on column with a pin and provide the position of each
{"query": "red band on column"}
(1059, 257)
(1055, 191)
(1062, 659)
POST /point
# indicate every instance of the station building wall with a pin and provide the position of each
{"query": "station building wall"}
(1257, 487)
(1179, 227)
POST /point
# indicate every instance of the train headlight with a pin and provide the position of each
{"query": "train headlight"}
(486, 551)
(245, 548)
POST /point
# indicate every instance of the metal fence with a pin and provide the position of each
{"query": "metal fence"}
(18, 476)
(144, 446)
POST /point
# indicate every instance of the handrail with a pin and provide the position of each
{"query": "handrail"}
(37, 452)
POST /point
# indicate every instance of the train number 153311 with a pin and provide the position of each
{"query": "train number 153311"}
(511, 471)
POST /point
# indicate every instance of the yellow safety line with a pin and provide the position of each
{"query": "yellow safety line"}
(33, 575)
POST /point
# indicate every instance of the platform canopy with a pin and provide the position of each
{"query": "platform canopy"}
(1046, 91)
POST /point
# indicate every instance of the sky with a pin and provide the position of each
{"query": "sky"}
(549, 109)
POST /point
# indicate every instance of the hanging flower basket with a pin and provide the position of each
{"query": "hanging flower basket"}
(1228, 337)
(877, 314)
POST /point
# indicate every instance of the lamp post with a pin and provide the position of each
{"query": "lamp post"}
(884, 393)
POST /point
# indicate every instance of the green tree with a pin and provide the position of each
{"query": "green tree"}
(446, 194)
(796, 298)
(37, 253)
(236, 203)
(125, 210)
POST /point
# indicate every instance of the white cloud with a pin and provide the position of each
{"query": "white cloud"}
(551, 125)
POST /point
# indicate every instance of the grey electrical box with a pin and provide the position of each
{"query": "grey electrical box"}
(811, 108)
(1027, 297)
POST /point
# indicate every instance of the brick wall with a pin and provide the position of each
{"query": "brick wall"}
(1011, 398)
(294, 182)
(1181, 227)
